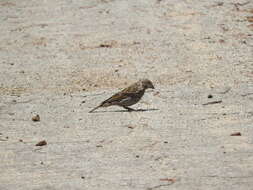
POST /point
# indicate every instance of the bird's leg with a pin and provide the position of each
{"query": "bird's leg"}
(129, 109)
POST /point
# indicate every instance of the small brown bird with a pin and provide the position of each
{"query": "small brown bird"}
(128, 96)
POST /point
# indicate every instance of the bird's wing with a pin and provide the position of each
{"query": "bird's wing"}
(131, 91)
(115, 98)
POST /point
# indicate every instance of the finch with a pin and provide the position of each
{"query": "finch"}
(128, 96)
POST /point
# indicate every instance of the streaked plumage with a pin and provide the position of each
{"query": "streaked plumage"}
(128, 96)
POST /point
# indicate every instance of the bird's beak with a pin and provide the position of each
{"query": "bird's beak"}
(152, 86)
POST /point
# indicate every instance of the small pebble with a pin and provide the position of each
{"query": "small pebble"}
(130, 127)
(236, 134)
(36, 118)
(41, 143)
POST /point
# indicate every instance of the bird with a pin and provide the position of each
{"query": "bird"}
(128, 96)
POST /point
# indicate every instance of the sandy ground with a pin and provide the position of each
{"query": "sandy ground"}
(59, 59)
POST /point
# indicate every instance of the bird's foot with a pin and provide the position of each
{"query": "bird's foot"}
(129, 109)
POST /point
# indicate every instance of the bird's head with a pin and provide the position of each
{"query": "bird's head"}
(147, 84)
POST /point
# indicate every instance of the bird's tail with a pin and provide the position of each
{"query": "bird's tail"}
(94, 109)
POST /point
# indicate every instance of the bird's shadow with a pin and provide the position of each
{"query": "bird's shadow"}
(137, 110)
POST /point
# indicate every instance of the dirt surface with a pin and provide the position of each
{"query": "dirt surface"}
(59, 59)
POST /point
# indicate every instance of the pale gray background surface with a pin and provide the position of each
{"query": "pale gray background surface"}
(59, 59)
